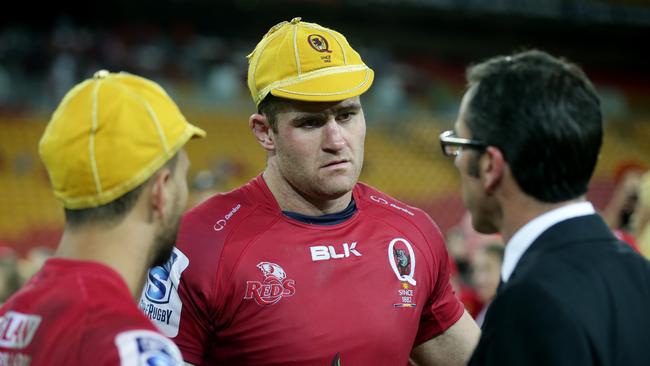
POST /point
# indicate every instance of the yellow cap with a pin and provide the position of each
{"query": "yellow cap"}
(304, 61)
(109, 135)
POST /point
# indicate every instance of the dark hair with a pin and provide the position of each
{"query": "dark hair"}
(113, 212)
(270, 106)
(544, 115)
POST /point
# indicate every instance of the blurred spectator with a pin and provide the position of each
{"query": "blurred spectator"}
(642, 216)
(619, 210)
(463, 242)
(207, 182)
(202, 187)
(223, 84)
(486, 274)
(33, 262)
(9, 278)
(464, 292)
(5, 85)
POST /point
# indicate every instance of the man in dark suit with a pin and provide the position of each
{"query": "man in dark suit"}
(526, 142)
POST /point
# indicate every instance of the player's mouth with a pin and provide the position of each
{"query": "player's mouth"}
(336, 164)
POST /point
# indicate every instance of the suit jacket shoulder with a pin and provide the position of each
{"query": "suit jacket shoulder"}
(577, 278)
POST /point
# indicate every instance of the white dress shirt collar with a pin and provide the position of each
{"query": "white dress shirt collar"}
(526, 235)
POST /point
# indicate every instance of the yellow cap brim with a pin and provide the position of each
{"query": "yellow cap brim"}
(328, 88)
(197, 132)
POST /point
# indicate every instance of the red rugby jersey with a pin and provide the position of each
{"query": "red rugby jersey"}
(248, 285)
(79, 313)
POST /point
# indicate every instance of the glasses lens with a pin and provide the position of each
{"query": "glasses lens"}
(452, 150)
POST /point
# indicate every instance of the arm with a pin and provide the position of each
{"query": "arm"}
(453, 347)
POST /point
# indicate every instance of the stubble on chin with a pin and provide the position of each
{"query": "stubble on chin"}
(165, 241)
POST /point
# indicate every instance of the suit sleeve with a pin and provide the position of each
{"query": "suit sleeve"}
(527, 325)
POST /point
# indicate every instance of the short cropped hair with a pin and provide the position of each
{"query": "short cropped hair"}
(270, 106)
(544, 115)
(114, 212)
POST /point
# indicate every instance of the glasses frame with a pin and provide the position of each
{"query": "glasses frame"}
(448, 138)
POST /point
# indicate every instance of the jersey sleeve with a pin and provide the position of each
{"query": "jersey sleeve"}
(443, 309)
(116, 333)
(129, 347)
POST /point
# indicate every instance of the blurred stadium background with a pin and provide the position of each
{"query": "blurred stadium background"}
(418, 49)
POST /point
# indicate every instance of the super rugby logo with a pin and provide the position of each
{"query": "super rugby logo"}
(274, 287)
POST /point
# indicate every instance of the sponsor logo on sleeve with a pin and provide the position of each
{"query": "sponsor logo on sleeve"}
(17, 329)
(160, 301)
(146, 348)
(273, 288)
(221, 223)
(383, 201)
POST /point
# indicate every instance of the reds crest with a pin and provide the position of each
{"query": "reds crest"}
(274, 287)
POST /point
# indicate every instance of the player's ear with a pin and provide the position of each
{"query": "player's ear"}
(160, 196)
(262, 130)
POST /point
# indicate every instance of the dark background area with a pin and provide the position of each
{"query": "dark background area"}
(601, 34)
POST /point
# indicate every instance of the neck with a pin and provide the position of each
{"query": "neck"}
(290, 199)
(125, 248)
(520, 211)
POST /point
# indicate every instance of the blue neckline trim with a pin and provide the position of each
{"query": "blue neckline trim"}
(325, 220)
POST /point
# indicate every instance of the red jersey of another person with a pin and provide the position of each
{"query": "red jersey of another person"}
(248, 285)
(79, 313)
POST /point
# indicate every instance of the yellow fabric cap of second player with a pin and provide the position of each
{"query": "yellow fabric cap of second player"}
(108, 135)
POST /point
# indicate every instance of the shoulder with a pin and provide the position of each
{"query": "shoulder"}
(527, 304)
(205, 228)
(217, 210)
(209, 242)
(527, 324)
(371, 199)
(384, 207)
(112, 321)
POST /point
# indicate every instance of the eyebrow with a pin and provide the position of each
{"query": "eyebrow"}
(305, 116)
(351, 105)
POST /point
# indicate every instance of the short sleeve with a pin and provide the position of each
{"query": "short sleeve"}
(145, 347)
(443, 309)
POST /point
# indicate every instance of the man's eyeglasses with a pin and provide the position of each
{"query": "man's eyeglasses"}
(453, 145)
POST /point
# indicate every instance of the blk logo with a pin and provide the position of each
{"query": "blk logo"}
(327, 252)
